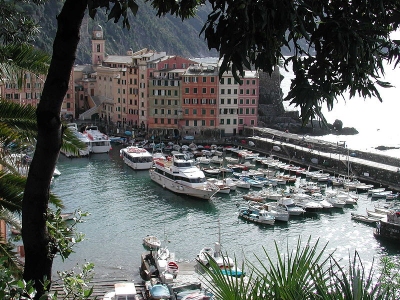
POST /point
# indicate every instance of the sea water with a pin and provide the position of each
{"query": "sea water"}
(125, 205)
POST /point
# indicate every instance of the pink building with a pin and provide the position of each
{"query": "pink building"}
(248, 100)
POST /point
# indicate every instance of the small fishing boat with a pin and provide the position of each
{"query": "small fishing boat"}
(151, 241)
(205, 254)
(365, 219)
(260, 216)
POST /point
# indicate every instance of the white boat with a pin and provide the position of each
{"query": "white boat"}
(239, 183)
(216, 160)
(136, 157)
(181, 176)
(99, 142)
(151, 241)
(288, 204)
(56, 172)
(122, 291)
(305, 201)
(205, 254)
(365, 219)
(211, 171)
(279, 213)
(203, 160)
(256, 215)
(223, 187)
(318, 197)
(382, 194)
(84, 139)
(231, 160)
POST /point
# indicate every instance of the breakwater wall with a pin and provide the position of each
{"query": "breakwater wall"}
(335, 159)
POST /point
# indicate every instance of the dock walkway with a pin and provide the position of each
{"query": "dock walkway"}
(337, 159)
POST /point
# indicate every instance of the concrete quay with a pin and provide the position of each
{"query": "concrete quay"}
(336, 159)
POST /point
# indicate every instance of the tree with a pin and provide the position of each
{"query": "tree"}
(347, 43)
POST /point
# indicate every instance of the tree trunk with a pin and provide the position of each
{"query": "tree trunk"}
(39, 246)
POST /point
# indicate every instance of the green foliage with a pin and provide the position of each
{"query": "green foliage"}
(11, 288)
(75, 285)
(305, 272)
(63, 232)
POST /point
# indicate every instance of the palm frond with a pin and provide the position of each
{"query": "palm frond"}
(17, 59)
(17, 123)
(71, 143)
(9, 259)
(11, 191)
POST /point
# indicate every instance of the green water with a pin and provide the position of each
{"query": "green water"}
(125, 205)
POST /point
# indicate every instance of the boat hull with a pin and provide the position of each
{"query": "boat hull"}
(180, 187)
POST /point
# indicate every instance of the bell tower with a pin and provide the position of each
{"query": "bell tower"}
(98, 46)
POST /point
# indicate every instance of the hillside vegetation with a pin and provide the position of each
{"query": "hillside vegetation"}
(168, 34)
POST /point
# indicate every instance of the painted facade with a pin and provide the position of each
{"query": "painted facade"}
(152, 92)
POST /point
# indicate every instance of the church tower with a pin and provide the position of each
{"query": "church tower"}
(98, 46)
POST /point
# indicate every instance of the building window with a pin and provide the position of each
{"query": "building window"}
(195, 111)
(241, 121)
(204, 90)
(212, 91)
(186, 90)
(194, 90)
(203, 111)
(221, 121)
(204, 79)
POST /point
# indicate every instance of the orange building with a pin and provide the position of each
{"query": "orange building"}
(199, 99)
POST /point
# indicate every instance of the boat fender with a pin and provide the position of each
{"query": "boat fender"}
(163, 186)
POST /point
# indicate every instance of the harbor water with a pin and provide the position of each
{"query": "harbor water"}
(125, 205)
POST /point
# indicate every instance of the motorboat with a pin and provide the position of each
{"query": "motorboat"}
(73, 127)
(152, 242)
(122, 291)
(226, 264)
(137, 158)
(203, 160)
(318, 197)
(256, 215)
(182, 176)
(223, 187)
(365, 218)
(288, 204)
(211, 171)
(98, 141)
(305, 201)
(216, 160)
(279, 213)
(238, 182)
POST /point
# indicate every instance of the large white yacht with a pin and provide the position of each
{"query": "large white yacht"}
(99, 142)
(182, 176)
